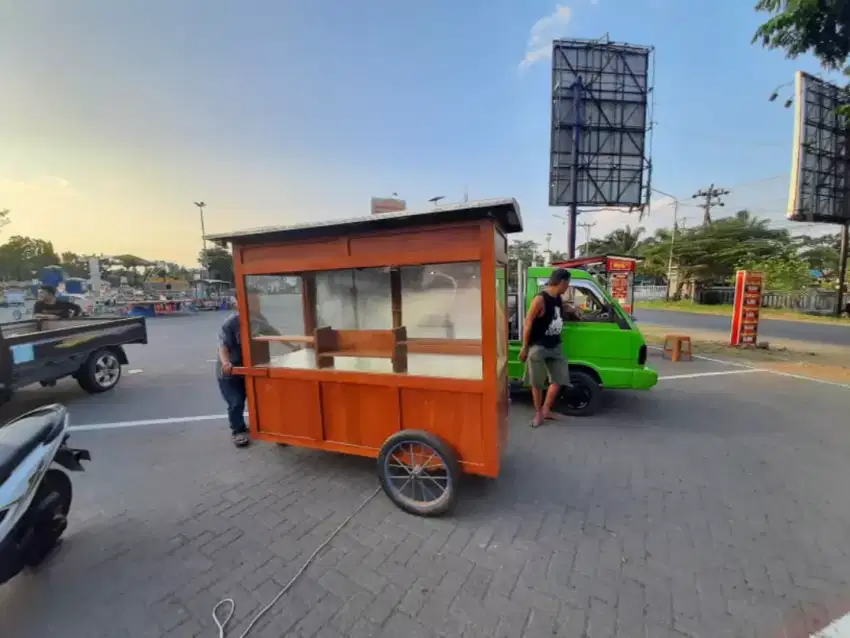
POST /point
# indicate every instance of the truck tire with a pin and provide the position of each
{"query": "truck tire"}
(101, 372)
(583, 398)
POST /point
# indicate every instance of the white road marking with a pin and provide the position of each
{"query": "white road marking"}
(137, 424)
(699, 356)
(838, 629)
(136, 371)
(697, 375)
(777, 372)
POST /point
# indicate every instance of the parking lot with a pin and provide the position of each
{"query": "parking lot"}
(714, 505)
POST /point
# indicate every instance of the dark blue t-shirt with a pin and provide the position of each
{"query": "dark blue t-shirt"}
(230, 337)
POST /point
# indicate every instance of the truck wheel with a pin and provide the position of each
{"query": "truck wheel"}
(583, 398)
(419, 472)
(100, 372)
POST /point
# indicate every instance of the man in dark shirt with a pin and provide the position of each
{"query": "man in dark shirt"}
(232, 386)
(49, 307)
(547, 370)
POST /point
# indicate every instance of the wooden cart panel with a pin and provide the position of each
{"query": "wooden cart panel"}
(358, 417)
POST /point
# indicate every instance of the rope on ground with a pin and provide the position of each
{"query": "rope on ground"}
(222, 623)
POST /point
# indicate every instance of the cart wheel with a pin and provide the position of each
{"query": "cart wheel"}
(583, 398)
(419, 472)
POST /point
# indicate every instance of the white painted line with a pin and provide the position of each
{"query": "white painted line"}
(838, 629)
(777, 372)
(723, 361)
(137, 371)
(697, 375)
(137, 424)
(805, 378)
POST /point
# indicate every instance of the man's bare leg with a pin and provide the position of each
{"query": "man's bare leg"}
(537, 397)
(551, 395)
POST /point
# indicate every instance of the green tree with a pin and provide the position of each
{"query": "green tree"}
(21, 258)
(526, 251)
(4, 217)
(219, 263)
(784, 271)
(819, 27)
(623, 241)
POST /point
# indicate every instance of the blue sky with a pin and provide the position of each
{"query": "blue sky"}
(118, 115)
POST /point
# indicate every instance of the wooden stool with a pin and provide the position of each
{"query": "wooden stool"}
(674, 346)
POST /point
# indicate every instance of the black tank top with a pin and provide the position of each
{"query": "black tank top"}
(546, 329)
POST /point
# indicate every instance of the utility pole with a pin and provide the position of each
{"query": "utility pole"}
(842, 267)
(548, 258)
(587, 226)
(712, 197)
(201, 206)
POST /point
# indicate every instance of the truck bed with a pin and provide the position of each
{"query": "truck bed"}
(41, 350)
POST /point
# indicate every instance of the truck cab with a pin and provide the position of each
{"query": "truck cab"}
(605, 349)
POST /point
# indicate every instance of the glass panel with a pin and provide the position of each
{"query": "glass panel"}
(442, 301)
(501, 320)
(275, 310)
(439, 302)
(584, 298)
(354, 299)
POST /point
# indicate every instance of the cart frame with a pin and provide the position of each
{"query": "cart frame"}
(463, 422)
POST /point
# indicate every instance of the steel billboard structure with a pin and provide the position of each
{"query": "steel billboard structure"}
(820, 169)
(600, 126)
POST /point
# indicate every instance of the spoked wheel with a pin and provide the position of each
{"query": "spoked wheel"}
(419, 473)
(52, 503)
(583, 398)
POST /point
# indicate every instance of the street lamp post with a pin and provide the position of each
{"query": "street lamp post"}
(672, 237)
(201, 206)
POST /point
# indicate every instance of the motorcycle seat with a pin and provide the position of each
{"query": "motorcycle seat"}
(19, 437)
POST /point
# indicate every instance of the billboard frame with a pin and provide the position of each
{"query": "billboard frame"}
(819, 188)
(606, 114)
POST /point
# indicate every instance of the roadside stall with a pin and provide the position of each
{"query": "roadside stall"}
(384, 337)
(615, 272)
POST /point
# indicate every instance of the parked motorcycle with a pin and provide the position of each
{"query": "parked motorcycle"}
(35, 497)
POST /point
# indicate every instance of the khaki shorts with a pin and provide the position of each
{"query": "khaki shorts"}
(546, 366)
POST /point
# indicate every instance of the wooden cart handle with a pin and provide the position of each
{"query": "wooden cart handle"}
(251, 372)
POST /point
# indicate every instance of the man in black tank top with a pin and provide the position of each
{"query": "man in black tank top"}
(546, 369)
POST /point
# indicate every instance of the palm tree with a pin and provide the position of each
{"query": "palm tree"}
(623, 241)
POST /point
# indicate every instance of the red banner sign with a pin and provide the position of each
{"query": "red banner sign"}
(749, 287)
(620, 265)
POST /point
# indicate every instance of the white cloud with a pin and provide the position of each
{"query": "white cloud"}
(542, 33)
(46, 183)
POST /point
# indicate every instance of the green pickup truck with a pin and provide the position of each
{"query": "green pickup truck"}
(605, 349)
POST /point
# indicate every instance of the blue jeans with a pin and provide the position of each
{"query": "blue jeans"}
(233, 390)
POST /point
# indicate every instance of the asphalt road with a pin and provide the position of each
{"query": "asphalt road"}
(768, 328)
(713, 505)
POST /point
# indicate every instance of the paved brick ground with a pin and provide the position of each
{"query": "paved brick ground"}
(710, 507)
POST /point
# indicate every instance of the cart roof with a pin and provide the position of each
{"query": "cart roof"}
(505, 211)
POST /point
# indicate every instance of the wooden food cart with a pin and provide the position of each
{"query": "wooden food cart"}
(385, 337)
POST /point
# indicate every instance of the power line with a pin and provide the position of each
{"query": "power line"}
(712, 197)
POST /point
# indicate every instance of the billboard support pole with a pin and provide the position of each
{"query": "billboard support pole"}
(842, 268)
(845, 227)
(573, 215)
